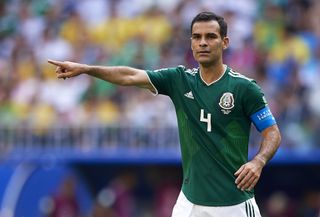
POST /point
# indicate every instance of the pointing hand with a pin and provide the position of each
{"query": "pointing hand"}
(68, 69)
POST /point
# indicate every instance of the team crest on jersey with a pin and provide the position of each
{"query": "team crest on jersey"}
(226, 102)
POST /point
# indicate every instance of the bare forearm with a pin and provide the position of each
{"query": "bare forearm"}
(270, 144)
(249, 173)
(120, 75)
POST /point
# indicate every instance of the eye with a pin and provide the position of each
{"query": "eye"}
(211, 36)
(195, 37)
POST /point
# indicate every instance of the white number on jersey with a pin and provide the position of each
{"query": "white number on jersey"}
(206, 119)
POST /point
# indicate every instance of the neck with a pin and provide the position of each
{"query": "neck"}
(211, 73)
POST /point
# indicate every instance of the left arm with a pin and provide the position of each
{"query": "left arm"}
(248, 174)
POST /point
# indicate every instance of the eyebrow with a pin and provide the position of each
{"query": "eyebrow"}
(206, 34)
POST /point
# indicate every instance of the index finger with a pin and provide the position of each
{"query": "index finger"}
(56, 63)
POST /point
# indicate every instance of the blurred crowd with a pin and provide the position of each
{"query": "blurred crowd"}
(274, 42)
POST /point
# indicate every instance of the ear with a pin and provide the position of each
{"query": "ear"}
(225, 43)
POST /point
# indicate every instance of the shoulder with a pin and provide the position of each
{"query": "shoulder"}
(191, 72)
(184, 70)
(179, 68)
(239, 77)
(245, 86)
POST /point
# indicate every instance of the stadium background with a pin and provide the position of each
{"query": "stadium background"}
(115, 150)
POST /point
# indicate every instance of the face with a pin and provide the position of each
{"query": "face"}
(206, 43)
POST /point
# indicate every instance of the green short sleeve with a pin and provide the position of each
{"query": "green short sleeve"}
(163, 80)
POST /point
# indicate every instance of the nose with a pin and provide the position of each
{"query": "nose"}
(203, 42)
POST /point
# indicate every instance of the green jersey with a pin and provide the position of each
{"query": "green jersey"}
(214, 126)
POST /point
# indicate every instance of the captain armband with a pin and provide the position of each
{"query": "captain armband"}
(263, 119)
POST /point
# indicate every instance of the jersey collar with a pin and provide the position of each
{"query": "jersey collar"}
(208, 84)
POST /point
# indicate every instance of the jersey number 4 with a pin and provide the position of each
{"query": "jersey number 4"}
(206, 119)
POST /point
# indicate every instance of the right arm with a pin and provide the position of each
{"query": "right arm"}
(119, 75)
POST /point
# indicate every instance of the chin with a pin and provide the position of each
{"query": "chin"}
(205, 62)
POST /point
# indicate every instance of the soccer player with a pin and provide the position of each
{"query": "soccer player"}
(215, 107)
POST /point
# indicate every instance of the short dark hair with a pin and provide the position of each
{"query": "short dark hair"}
(208, 16)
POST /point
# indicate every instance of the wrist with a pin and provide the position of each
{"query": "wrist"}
(261, 159)
(87, 69)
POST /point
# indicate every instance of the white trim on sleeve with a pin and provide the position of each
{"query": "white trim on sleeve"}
(155, 93)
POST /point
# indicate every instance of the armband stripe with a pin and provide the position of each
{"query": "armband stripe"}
(263, 119)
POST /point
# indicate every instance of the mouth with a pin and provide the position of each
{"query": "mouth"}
(203, 52)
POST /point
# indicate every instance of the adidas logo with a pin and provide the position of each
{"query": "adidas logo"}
(189, 95)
